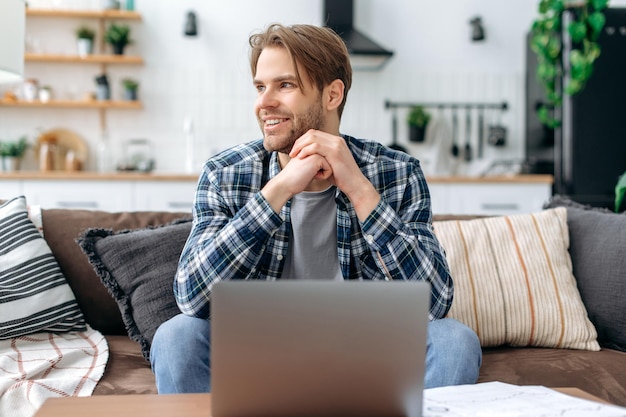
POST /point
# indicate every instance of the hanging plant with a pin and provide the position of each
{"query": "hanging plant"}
(547, 42)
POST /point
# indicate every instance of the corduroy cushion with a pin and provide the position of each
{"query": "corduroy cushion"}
(138, 269)
(513, 281)
(34, 295)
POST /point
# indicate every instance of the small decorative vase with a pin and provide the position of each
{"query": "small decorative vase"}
(30, 89)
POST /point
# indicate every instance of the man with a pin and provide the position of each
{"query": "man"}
(307, 203)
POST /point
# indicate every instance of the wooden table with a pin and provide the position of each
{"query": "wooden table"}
(175, 405)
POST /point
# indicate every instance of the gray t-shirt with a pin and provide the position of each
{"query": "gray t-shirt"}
(312, 250)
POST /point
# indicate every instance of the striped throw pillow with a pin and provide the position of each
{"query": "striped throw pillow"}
(513, 280)
(34, 295)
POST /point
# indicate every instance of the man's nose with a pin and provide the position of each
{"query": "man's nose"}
(267, 98)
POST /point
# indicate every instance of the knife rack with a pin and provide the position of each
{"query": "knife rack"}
(394, 106)
(443, 105)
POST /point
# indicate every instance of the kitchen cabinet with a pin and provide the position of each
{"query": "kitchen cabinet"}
(10, 189)
(168, 196)
(108, 192)
(104, 60)
(68, 194)
(490, 196)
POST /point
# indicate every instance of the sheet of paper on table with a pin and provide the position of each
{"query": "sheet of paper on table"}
(498, 399)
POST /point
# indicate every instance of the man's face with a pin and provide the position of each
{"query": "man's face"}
(284, 108)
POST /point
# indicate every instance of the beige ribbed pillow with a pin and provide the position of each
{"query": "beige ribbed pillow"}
(513, 281)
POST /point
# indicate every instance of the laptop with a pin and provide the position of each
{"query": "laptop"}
(318, 348)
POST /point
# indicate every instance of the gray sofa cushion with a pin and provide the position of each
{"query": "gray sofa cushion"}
(62, 226)
(598, 252)
(138, 269)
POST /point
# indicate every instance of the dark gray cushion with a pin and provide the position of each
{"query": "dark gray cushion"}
(138, 269)
(598, 252)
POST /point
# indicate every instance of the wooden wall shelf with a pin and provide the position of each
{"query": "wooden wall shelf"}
(89, 59)
(93, 14)
(75, 104)
(102, 59)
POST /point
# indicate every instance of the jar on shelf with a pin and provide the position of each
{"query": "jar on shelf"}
(45, 93)
(72, 163)
(47, 153)
(104, 160)
(30, 89)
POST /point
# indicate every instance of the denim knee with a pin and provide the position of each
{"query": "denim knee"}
(453, 355)
(180, 355)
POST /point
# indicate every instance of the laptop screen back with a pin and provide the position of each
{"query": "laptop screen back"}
(318, 348)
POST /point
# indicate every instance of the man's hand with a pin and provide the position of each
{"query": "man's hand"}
(344, 171)
(294, 178)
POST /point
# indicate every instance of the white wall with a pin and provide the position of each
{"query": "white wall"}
(208, 77)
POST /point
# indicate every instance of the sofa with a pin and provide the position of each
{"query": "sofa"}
(78, 241)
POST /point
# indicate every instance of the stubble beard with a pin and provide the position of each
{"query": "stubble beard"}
(312, 118)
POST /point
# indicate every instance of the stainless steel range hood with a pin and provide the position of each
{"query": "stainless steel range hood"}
(365, 54)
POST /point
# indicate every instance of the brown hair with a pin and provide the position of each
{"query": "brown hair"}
(319, 50)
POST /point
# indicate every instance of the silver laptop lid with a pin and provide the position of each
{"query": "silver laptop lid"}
(318, 348)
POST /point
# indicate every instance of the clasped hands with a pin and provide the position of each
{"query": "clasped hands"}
(317, 160)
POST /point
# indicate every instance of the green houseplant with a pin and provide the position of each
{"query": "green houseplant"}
(417, 119)
(84, 38)
(546, 41)
(12, 153)
(584, 28)
(118, 36)
(131, 87)
(85, 32)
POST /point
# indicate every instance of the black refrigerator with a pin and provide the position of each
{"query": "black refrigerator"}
(587, 154)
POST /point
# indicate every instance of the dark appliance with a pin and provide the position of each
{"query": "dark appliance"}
(587, 154)
(365, 53)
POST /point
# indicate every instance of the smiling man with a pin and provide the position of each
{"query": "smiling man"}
(307, 202)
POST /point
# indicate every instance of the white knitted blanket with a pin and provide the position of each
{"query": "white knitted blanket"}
(36, 367)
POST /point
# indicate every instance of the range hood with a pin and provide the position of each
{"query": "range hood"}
(365, 54)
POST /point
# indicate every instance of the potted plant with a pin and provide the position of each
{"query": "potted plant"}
(85, 36)
(118, 36)
(103, 90)
(12, 153)
(417, 119)
(587, 21)
(131, 87)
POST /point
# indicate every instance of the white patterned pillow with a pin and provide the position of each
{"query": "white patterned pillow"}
(34, 295)
(513, 280)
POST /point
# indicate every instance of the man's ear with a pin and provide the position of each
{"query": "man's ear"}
(334, 94)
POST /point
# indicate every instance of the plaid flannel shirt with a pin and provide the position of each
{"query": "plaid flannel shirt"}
(237, 235)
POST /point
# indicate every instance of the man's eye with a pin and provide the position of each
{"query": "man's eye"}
(287, 85)
(260, 88)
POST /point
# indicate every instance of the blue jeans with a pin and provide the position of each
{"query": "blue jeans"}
(181, 359)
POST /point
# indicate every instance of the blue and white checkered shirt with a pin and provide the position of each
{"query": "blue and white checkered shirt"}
(237, 235)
